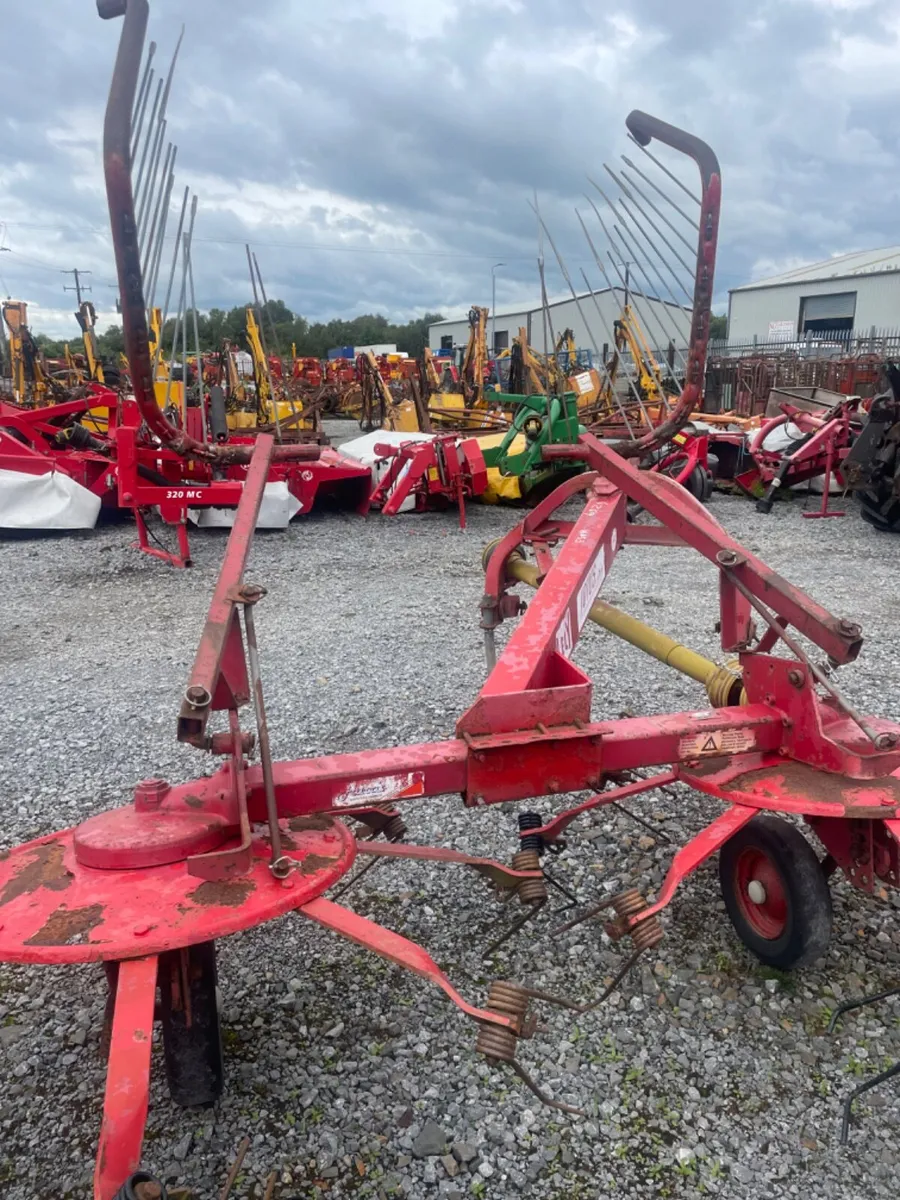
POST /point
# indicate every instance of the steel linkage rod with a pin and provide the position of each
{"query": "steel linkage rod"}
(630, 249)
(145, 186)
(265, 304)
(652, 183)
(629, 198)
(147, 140)
(575, 297)
(145, 197)
(652, 365)
(140, 106)
(634, 251)
(645, 128)
(610, 382)
(181, 317)
(626, 212)
(628, 186)
(196, 323)
(160, 239)
(549, 337)
(262, 342)
(643, 149)
(626, 254)
(176, 333)
(152, 231)
(169, 286)
(120, 198)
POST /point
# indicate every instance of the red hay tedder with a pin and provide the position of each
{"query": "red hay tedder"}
(149, 888)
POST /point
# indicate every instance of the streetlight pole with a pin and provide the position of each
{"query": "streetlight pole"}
(494, 308)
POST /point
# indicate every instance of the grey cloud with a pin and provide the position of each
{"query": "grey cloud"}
(441, 139)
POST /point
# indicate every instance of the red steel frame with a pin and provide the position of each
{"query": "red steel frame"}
(528, 733)
(823, 453)
(186, 864)
(446, 469)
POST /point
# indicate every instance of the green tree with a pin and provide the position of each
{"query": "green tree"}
(111, 342)
(311, 340)
(718, 327)
(53, 348)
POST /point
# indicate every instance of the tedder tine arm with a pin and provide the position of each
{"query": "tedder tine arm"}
(644, 129)
(220, 656)
(127, 1077)
(502, 1023)
(124, 227)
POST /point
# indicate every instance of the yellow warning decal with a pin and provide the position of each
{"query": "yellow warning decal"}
(716, 741)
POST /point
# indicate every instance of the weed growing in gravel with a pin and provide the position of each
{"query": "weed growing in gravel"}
(786, 979)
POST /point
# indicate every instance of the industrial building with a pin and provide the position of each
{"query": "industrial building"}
(662, 322)
(850, 293)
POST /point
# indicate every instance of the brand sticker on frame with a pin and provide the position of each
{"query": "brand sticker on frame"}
(590, 587)
(716, 741)
(363, 792)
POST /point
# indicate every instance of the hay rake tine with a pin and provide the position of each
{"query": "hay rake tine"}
(646, 178)
(643, 149)
(628, 187)
(630, 253)
(568, 279)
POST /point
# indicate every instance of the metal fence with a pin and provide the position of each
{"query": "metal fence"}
(740, 375)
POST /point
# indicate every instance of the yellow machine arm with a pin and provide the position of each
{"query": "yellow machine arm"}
(475, 358)
(260, 366)
(565, 344)
(87, 319)
(649, 373)
(30, 381)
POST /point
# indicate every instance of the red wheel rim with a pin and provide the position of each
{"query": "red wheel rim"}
(760, 893)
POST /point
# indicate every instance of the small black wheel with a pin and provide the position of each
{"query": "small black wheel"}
(141, 1186)
(189, 1011)
(698, 484)
(776, 893)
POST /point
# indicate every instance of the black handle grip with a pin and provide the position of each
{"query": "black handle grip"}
(644, 128)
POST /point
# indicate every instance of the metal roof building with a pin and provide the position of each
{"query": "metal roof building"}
(855, 292)
(662, 322)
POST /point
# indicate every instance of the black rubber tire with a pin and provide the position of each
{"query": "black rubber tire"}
(808, 917)
(193, 1047)
(697, 484)
(128, 1190)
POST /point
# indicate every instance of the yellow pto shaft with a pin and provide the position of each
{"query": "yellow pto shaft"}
(723, 685)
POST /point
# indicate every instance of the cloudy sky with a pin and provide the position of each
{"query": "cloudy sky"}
(380, 154)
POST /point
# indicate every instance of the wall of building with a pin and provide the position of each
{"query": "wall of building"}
(660, 322)
(750, 313)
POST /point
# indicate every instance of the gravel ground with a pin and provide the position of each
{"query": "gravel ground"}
(705, 1075)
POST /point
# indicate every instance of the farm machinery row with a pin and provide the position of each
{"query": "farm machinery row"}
(149, 888)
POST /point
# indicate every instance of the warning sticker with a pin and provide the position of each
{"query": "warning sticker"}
(364, 792)
(716, 741)
(583, 382)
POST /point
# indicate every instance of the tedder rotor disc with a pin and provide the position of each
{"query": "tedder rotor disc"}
(54, 910)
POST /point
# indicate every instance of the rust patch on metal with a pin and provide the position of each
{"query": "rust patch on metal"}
(312, 821)
(820, 786)
(44, 870)
(193, 801)
(67, 925)
(315, 862)
(708, 765)
(226, 893)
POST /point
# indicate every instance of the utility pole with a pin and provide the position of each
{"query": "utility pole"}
(494, 308)
(78, 285)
